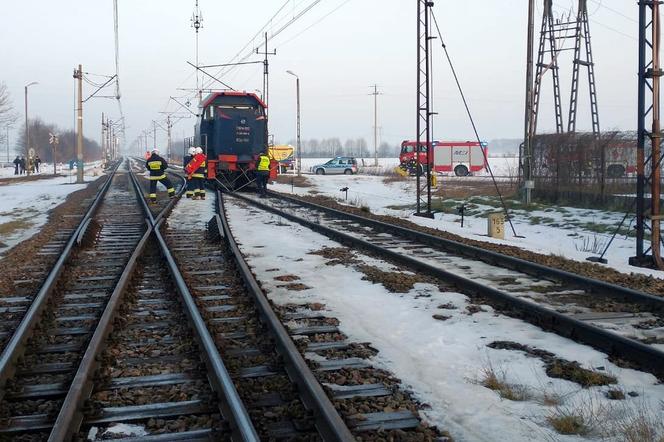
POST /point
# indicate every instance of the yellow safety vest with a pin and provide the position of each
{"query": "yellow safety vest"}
(156, 171)
(263, 163)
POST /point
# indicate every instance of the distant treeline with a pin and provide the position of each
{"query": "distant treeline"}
(355, 147)
(66, 151)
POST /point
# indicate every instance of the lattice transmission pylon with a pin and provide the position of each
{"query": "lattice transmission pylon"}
(553, 35)
(583, 56)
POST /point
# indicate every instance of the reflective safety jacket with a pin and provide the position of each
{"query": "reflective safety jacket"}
(263, 163)
(157, 167)
(202, 168)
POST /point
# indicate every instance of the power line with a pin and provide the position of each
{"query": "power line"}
(601, 5)
(472, 122)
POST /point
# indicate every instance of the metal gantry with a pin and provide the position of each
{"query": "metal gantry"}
(423, 124)
(547, 60)
(582, 38)
(649, 154)
(553, 35)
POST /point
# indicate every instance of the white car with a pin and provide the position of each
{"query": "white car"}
(338, 165)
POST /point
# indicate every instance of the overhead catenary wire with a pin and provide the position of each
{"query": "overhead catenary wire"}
(472, 122)
(277, 19)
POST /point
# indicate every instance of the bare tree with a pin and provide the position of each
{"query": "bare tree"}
(7, 114)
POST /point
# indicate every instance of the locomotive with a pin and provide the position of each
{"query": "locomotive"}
(232, 131)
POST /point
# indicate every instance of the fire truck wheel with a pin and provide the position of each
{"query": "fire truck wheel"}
(461, 170)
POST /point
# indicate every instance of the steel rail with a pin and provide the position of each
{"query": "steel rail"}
(232, 406)
(603, 288)
(16, 345)
(154, 220)
(328, 422)
(646, 357)
(70, 417)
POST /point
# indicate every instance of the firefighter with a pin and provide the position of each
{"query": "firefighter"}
(157, 166)
(262, 173)
(199, 176)
(190, 181)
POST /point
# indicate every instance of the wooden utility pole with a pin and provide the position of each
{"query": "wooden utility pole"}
(375, 94)
(78, 74)
(168, 132)
(103, 141)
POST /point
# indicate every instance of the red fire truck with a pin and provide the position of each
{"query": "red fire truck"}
(461, 157)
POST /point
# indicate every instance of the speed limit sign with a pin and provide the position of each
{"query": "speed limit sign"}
(31, 152)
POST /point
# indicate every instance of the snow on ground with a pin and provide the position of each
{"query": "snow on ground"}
(44, 169)
(501, 166)
(24, 205)
(440, 361)
(564, 231)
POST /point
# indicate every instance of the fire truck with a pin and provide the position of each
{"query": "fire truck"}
(461, 157)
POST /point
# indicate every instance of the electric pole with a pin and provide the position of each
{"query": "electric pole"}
(169, 126)
(266, 86)
(197, 24)
(375, 94)
(78, 75)
(525, 153)
(423, 123)
(103, 141)
(649, 164)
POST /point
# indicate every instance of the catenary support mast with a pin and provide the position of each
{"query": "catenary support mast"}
(649, 154)
(423, 123)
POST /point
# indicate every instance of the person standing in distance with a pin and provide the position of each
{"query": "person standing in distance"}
(262, 173)
(157, 166)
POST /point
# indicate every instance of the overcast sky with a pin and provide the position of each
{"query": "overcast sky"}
(337, 55)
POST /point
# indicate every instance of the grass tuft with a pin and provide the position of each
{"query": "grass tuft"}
(572, 371)
(497, 382)
(14, 226)
(565, 423)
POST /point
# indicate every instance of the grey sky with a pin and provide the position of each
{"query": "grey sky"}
(362, 43)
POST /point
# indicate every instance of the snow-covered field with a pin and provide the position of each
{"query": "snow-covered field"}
(564, 231)
(24, 205)
(501, 167)
(443, 361)
(46, 169)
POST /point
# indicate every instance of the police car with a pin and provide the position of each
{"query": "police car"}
(338, 165)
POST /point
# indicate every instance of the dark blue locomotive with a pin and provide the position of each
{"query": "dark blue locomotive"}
(232, 130)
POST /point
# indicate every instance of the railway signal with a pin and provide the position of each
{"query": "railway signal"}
(54, 140)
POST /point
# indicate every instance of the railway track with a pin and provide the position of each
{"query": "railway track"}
(38, 364)
(624, 323)
(122, 348)
(21, 285)
(157, 330)
(281, 393)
